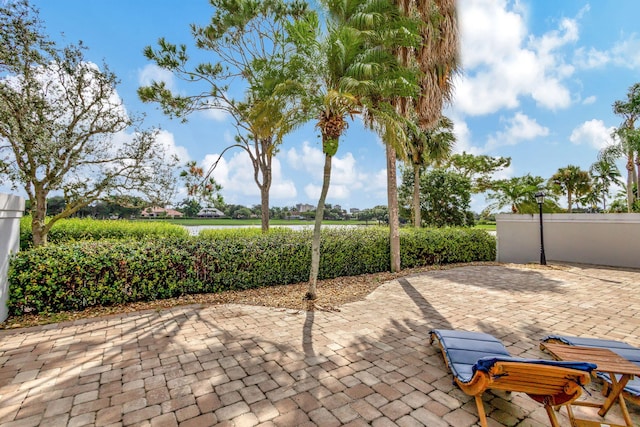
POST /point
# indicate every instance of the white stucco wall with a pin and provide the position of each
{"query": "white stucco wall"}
(603, 239)
(11, 209)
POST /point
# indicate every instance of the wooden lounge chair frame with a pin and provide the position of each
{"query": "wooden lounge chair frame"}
(547, 382)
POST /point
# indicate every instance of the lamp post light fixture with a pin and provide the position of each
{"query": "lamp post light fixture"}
(540, 199)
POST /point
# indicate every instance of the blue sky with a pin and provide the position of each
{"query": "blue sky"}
(538, 81)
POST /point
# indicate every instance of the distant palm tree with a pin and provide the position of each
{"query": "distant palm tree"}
(629, 141)
(570, 181)
(518, 193)
(603, 174)
(430, 147)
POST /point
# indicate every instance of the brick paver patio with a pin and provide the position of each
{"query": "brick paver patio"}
(368, 364)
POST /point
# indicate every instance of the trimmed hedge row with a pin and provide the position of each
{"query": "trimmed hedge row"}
(74, 229)
(77, 275)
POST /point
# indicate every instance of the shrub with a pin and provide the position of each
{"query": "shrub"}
(75, 275)
(74, 229)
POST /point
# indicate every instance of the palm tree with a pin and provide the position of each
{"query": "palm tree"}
(424, 148)
(345, 71)
(604, 173)
(628, 141)
(437, 58)
(570, 180)
(517, 193)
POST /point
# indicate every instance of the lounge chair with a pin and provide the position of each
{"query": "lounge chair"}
(479, 362)
(632, 390)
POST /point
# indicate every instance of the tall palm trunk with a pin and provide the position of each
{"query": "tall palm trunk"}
(417, 214)
(392, 197)
(315, 243)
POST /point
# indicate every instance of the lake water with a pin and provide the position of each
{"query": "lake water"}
(194, 230)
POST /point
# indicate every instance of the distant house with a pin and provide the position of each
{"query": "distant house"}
(158, 211)
(210, 213)
(304, 207)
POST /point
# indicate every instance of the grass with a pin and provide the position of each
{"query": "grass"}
(486, 226)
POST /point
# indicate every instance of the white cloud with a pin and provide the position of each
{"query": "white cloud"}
(306, 158)
(589, 100)
(463, 135)
(626, 53)
(593, 133)
(235, 175)
(592, 58)
(152, 72)
(346, 176)
(170, 148)
(215, 114)
(518, 128)
(502, 64)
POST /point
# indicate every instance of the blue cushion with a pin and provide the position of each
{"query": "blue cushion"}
(463, 349)
(468, 352)
(625, 350)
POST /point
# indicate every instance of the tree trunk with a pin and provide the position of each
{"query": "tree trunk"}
(569, 201)
(417, 214)
(38, 216)
(636, 173)
(630, 173)
(392, 201)
(262, 165)
(264, 198)
(264, 208)
(315, 244)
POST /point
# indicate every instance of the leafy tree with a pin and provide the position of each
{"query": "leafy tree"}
(55, 205)
(204, 190)
(445, 199)
(59, 118)
(570, 181)
(189, 207)
(248, 40)
(518, 193)
(478, 168)
(233, 211)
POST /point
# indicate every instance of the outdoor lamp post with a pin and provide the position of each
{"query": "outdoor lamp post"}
(540, 199)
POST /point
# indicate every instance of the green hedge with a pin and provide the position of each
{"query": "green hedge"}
(76, 275)
(73, 229)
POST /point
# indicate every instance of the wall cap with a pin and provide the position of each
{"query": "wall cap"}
(623, 218)
(11, 206)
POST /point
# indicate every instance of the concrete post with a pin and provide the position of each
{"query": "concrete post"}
(11, 209)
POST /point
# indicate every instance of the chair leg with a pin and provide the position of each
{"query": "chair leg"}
(552, 416)
(481, 414)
